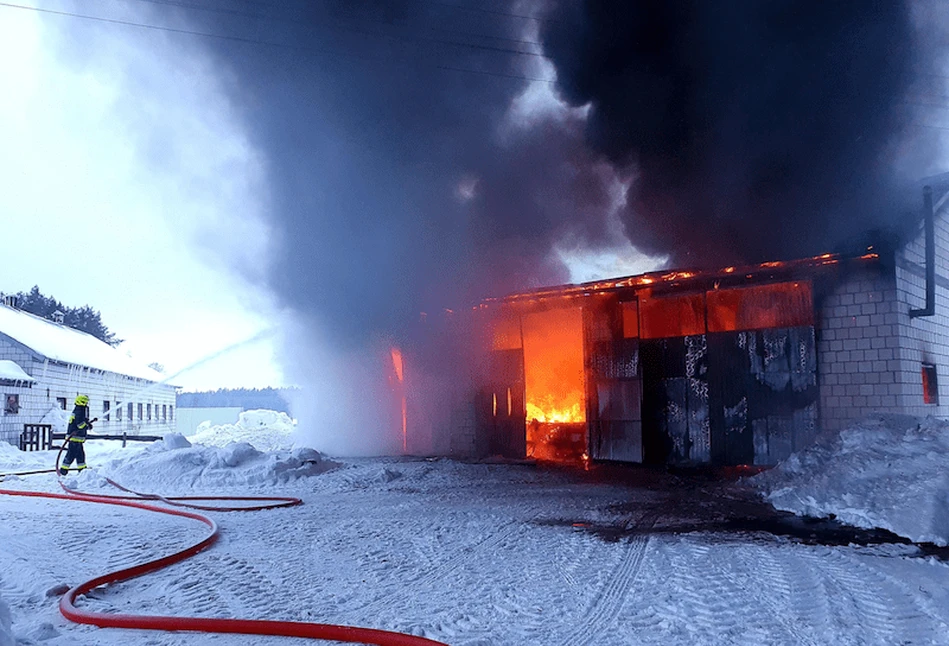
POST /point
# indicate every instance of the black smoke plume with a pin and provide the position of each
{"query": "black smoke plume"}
(399, 183)
(744, 130)
(755, 129)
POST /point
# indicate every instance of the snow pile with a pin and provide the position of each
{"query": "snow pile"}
(889, 472)
(265, 430)
(13, 459)
(6, 632)
(58, 418)
(174, 463)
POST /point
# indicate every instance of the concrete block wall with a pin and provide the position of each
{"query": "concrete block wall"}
(859, 359)
(871, 352)
(55, 380)
(923, 339)
(12, 424)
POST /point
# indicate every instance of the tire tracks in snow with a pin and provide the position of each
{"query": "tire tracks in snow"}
(609, 601)
(884, 610)
(458, 559)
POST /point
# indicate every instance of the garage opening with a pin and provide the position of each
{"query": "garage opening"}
(554, 385)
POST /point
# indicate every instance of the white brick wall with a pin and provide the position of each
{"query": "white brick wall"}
(870, 352)
(54, 380)
(857, 348)
(923, 339)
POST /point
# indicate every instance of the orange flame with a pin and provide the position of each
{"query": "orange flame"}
(553, 366)
(400, 375)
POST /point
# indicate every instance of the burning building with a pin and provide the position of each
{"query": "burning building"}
(739, 365)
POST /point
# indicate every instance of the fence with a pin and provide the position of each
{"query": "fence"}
(40, 437)
(125, 437)
(36, 437)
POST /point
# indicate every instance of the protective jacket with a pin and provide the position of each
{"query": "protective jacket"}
(79, 424)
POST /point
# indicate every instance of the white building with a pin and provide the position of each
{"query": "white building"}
(44, 365)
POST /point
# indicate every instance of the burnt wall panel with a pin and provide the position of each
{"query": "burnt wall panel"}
(614, 390)
(763, 392)
(675, 408)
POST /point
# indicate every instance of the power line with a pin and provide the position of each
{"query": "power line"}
(254, 41)
(262, 16)
(927, 125)
(486, 11)
(340, 27)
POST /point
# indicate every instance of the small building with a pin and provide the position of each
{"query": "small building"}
(733, 366)
(44, 365)
(190, 418)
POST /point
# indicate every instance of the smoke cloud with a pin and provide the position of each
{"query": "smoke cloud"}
(756, 130)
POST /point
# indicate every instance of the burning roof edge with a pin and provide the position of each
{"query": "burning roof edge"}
(683, 277)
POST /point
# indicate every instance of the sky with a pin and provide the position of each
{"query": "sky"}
(129, 186)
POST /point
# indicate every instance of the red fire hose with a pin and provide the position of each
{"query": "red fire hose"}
(198, 624)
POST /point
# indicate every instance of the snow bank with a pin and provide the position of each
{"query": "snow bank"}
(890, 472)
(174, 464)
(13, 459)
(265, 430)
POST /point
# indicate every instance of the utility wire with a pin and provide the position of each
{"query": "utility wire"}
(340, 27)
(254, 41)
(927, 125)
(264, 16)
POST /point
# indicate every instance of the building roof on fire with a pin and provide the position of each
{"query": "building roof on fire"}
(57, 342)
(734, 275)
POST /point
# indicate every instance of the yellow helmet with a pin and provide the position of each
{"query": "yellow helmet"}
(82, 400)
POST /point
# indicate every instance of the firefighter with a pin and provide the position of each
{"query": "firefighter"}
(79, 426)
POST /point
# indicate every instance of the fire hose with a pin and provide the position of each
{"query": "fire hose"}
(197, 624)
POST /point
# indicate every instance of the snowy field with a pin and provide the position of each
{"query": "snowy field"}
(468, 554)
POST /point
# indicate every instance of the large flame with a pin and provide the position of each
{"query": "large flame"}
(553, 366)
(549, 412)
(400, 376)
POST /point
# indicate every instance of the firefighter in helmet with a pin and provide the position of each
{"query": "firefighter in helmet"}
(79, 426)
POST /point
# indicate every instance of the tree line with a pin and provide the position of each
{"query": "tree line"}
(247, 398)
(84, 318)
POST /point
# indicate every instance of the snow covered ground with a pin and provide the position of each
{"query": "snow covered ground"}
(468, 554)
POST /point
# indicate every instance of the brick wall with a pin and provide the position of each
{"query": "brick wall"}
(923, 339)
(871, 352)
(858, 348)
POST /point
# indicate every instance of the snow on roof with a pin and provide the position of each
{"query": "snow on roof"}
(10, 371)
(60, 343)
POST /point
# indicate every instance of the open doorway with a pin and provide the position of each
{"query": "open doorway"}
(554, 385)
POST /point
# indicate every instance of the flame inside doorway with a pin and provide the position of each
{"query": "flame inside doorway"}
(554, 384)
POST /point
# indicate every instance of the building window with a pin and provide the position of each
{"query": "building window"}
(62, 402)
(106, 407)
(164, 412)
(131, 417)
(11, 405)
(118, 413)
(140, 418)
(930, 387)
(171, 413)
(148, 411)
